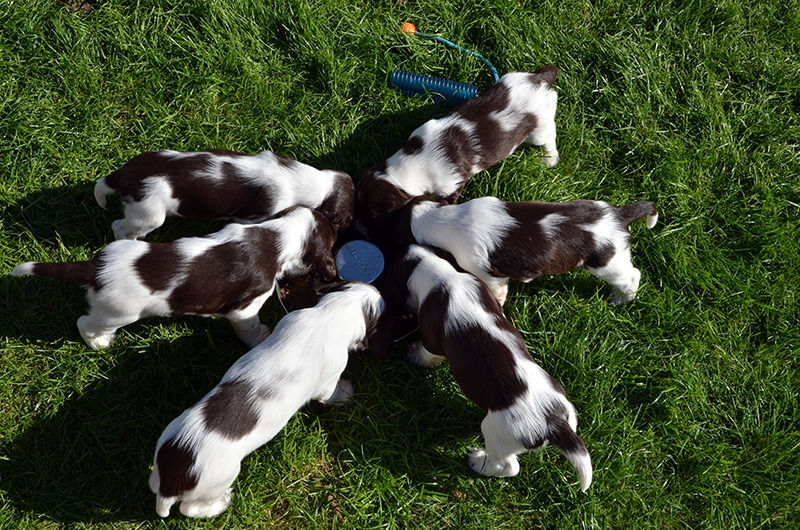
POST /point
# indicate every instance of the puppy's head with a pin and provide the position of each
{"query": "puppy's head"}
(378, 202)
(318, 252)
(372, 305)
(396, 318)
(339, 206)
(402, 235)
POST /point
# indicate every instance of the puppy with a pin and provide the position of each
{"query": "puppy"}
(442, 154)
(199, 454)
(217, 184)
(231, 272)
(496, 240)
(461, 321)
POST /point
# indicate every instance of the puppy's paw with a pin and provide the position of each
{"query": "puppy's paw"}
(501, 294)
(342, 394)
(195, 509)
(253, 333)
(624, 292)
(483, 464)
(265, 332)
(550, 159)
(619, 298)
(120, 232)
(93, 340)
(476, 460)
(418, 355)
(101, 342)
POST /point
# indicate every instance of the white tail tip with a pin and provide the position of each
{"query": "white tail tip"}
(101, 191)
(652, 220)
(23, 269)
(583, 463)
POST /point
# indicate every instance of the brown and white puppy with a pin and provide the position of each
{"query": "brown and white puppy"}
(231, 273)
(199, 454)
(218, 184)
(461, 321)
(442, 154)
(497, 240)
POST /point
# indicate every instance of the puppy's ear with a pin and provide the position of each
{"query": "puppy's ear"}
(380, 338)
(327, 268)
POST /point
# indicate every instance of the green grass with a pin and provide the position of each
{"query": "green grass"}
(687, 398)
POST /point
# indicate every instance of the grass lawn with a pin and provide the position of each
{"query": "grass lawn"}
(687, 398)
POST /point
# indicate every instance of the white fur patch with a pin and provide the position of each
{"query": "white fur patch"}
(470, 231)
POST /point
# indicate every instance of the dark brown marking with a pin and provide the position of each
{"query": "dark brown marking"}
(339, 206)
(175, 463)
(317, 251)
(231, 409)
(546, 74)
(414, 145)
(629, 213)
(378, 202)
(460, 149)
(527, 251)
(159, 266)
(229, 276)
(80, 272)
(562, 437)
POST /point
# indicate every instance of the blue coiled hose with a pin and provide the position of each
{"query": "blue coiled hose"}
(444, 91)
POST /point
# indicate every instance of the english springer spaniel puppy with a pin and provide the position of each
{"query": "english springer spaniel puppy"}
(461, 321)
(442, 154)
(199, 454)
(496, 240)
(231, 273)
(218, 184)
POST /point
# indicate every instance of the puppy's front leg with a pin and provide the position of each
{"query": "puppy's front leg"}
(417, 354)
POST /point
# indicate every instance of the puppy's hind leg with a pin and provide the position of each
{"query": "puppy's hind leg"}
(140, 219)
(98, 335)
(247, 324)
(545, 136)
(499, 458)
(148, 214)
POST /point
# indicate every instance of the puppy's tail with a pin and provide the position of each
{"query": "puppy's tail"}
(629, 213)
(81, 272)
(101, 191)
(563, 438)
(547, 74)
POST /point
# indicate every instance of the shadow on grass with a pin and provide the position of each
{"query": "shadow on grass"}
(70, 215)
(89, 460)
